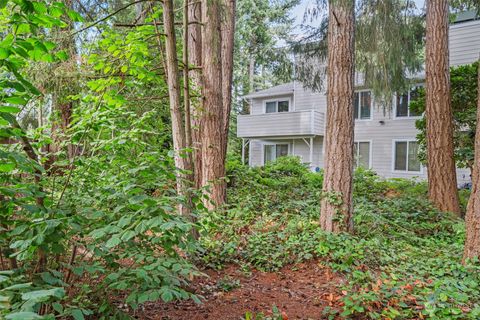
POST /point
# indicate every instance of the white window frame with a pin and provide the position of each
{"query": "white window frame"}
(395, 104)
(358, 106)
(408, 140)
(275, 144)
(370, 144)
(277, 100)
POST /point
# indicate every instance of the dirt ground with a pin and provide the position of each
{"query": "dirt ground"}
(301, 291)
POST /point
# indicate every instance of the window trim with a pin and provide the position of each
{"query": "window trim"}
(371, 105)
(275, 144)
(408, 140)
(370, 145)
(395, 117)
(277, 100)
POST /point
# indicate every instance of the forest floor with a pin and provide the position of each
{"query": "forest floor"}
(300, 291)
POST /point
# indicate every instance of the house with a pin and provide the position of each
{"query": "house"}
(290, 120)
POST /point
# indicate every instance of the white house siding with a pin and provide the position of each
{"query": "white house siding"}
(382, 137)
(464, 42)
(464, 49)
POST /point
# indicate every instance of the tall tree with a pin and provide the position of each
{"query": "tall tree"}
(195, 76)
(182, 158)
(472, 218)
(442, 179)
(228, 35)
(336, 205)
(212, 113)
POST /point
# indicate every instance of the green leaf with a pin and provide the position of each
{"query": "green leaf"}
(113, 242)
(24, 315)
(3, 3)
(42, 294)
(16, 100)
(9, 109)
(4, 53)
(61, 55)
(77, 314)
(7, 167)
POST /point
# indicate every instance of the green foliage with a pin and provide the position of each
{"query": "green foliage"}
(403, 262)
(102, 221)
(464, 87)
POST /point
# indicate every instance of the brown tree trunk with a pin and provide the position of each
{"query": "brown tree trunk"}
(336, 204)
(212, 118)
(195, 75)
(472, 218)
(442, 178)
(228, 32)
(182, 159)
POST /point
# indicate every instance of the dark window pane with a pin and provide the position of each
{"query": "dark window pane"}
(282, 150)
(355, 105)
(413, 96)
(402, 105)
(366, 105)
(364, 154)
(271, 107)
(269, 153)
(283, 106)
(413, 162)
(401, 156)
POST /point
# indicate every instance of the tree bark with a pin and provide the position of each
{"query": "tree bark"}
(212, 114)
(228, 32)
(182, 159)
(336, 204)
(472, 218)
(195, 75)
(442, 178)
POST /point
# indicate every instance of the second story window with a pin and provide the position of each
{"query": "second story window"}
(362, 105)
(277, 106)
(403, 104)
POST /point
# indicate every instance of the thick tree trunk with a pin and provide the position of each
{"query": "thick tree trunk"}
(228, 31)
(182, 159)
(472, 218)
(442, 178)
(212, 118)
(195, 75)
(336, 205)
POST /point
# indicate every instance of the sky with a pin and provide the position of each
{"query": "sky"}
(299, 11)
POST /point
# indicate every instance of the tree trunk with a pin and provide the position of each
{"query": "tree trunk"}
(182, 159)
(228, 31)
(472, 218)
(336, 204)
(212, 118)
(195, 75)
(442, 178)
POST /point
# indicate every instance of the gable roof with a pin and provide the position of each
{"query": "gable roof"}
(286, 88)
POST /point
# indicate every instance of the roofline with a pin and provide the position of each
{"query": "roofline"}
(266, 95)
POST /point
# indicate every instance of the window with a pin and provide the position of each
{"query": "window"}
(403, 103)
(274, 151)
(362, 154)
(406, 156)
(277, 106)
(362, 106)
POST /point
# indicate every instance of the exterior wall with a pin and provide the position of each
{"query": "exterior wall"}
(298, 147)
(382, 129)
(464, 42)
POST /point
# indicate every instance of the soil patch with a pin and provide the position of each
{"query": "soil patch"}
(300, 291)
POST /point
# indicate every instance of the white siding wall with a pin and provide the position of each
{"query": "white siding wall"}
(464, 42)
(464, 49)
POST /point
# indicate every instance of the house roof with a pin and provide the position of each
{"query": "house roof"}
(465, 16)
(286, 88)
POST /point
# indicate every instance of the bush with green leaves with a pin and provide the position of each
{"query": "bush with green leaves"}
(102, 229)
(403, 262)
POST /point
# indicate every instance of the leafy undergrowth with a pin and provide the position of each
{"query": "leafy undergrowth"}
(404, 260)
